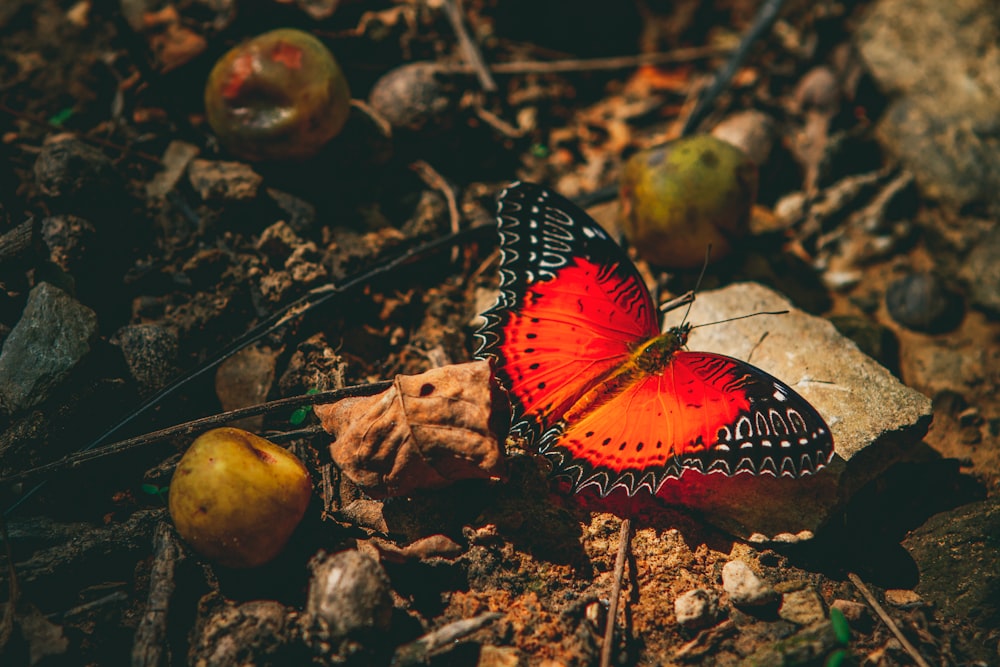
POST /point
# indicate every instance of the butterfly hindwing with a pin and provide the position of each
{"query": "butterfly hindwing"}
(571, 307)
(705, 412)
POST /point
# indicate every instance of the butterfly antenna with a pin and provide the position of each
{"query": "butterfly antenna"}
(697, 285)
(743, 317)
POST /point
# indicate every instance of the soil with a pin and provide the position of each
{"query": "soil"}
(114, 188)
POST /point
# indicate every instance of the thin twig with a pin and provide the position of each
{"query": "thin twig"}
(470, 50)
(434, 179)
(624, 540)
(596, 64)
(194, 426)
(417, 652)
(762, 22)
(870, 598)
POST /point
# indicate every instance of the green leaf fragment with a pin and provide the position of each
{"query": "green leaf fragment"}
(62, 116)
(837, 658)
(841, 628)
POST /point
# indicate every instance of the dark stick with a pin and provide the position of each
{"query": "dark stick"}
(188, 428)
(624, 541)
(762, 22)
(470, 50)
(595, 64)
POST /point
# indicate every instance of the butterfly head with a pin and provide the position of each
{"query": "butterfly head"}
(654, 355)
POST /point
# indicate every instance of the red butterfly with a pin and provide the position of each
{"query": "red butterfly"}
(575, 340)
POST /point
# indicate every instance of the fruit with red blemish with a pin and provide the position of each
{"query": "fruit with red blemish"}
(280, 95)
(679, 198)
(236, 498)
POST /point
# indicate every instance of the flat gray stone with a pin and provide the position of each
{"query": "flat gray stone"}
(51, 338)
(945, 124)
(872, 416)
(957, 554)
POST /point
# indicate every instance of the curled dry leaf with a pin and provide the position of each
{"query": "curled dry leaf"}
(426, 431)
(432, 546)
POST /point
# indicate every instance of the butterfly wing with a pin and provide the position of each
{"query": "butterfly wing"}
(706, 412)
(572, 307)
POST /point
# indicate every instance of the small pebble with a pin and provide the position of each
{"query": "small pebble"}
(753, 132)
(224, 181)
(802, 607)
(415, 96)
(349, 594)
(696, 609)
(921, 302)
(900, 597)
(744, 587)
(71, 171)
(150, 352)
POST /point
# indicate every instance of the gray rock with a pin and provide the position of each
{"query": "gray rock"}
(744, 587)
(956, 553)
(696, 609)
(946, 125)
(349, 595)
(802, 607)
(52, 337)
(867, 408)
(982, 272)
(71, 172)
(921, 301)
(150, 352)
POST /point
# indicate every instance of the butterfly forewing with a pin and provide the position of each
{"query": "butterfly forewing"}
(571, 309)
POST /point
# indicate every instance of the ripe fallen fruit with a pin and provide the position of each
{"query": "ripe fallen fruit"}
(681, 197)
(280, 95)
(236, 498)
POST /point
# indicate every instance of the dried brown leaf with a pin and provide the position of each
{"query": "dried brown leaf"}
(432, 546)
(427, 431)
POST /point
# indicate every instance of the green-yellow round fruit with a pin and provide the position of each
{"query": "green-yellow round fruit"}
(236, 498)
(680, 198)
(280, 95)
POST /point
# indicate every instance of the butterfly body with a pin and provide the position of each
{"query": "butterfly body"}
(575, 340)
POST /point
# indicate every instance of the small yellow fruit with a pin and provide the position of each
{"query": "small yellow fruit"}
(280, 95)
(679, 198)
(236, 498)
